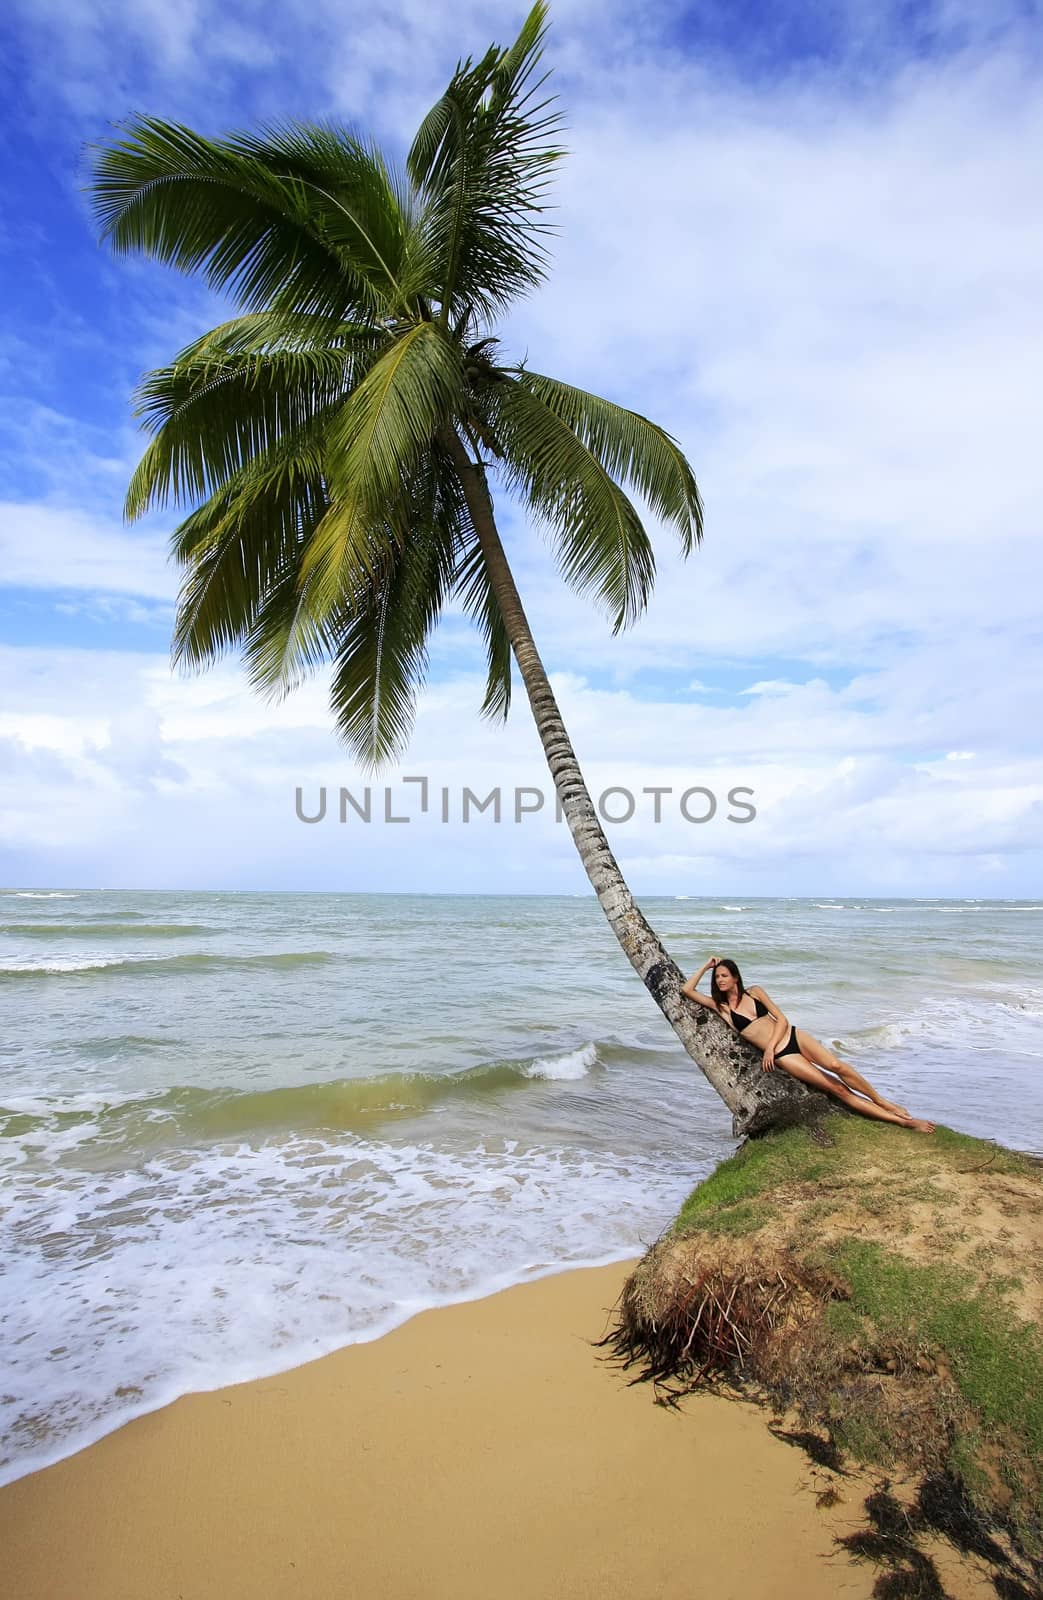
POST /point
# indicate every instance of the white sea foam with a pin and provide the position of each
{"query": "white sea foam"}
(1000, 1022)
(209, 1267)
(39, 894)
(58, 964)
(29, 1105)
(576, 1064)
(979, 908)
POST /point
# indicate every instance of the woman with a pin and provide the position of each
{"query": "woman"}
(764, 1025)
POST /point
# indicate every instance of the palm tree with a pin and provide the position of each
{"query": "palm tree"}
(335, 437)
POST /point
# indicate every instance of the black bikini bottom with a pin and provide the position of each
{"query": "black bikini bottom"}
(791, 1047)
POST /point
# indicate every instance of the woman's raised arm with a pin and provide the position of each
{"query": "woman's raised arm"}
(690, 990)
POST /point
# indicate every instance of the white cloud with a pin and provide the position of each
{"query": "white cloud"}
(772, 686)
(52, 547)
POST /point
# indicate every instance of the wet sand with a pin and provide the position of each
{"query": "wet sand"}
(479, 1452)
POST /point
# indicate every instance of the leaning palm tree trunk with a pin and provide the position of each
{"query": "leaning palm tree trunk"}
(757, 1100)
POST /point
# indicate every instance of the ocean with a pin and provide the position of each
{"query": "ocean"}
(241, 1130)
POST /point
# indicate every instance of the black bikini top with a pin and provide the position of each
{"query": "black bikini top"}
(742, 1022)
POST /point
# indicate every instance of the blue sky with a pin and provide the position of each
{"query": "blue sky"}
(807, 240)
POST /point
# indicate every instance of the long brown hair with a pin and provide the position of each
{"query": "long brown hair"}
(736, 974)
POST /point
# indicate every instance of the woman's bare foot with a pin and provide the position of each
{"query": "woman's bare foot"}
(889, 1105)
(919, 1125)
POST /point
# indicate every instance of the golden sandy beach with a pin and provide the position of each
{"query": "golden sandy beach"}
(480, 1450)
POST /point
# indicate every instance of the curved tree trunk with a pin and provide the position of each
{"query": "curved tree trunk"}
(756, 1099)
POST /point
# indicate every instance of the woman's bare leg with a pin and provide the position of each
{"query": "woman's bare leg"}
(810, 1074)
(814, 1050)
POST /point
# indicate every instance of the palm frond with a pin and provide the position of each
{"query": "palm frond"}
(367, 210)
(482, 159)
(256, 332)
(269, 237)
(382, 655)
(222, 403)
(601, 542)
(386, 423)
(630, 447)
(238, 547)
(479, 600)
(287, 641)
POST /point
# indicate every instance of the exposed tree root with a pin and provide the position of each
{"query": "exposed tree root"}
(688, 1316)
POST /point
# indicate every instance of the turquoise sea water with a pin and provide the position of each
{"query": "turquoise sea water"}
(240, 1130)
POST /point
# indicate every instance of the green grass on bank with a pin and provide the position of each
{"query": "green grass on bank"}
(796, 1157)
(996, 1360)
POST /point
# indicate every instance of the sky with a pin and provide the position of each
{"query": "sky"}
(807, 240)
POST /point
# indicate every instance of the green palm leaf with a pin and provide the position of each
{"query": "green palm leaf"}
(382, 659)
(238, 547)
(631, 448)
(482, 160)
(256, 332)
(367, 212)
(220, 404)
(387, 423)
(601, 542)
(479, 600)
(272, 238)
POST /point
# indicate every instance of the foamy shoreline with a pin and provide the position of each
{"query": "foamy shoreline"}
(281, 1362)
